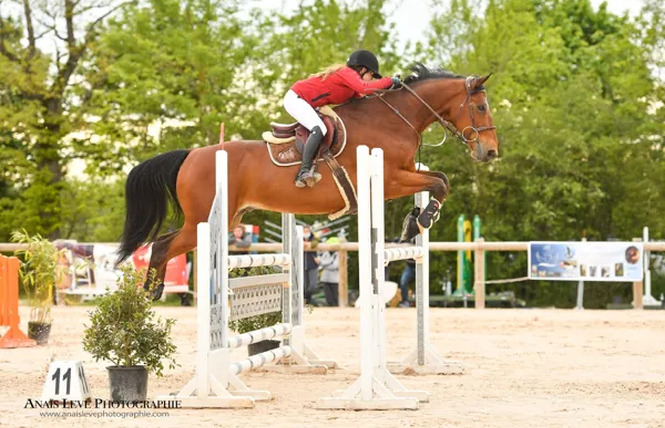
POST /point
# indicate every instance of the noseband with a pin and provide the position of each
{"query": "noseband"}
(475, 130)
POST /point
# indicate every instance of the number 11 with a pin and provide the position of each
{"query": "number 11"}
(67, 376)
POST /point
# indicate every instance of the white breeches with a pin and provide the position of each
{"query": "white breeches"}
(302, 112)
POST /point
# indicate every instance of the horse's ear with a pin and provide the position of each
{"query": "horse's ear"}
(478, 81)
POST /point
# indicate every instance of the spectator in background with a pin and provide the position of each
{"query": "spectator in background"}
(330, 274)
(239, 238)
(408, 276)
(311, 261)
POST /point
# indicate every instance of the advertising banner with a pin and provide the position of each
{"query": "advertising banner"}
(586, 261)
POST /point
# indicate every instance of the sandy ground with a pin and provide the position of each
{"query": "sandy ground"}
(524, 368)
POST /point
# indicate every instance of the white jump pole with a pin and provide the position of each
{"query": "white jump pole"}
(216, 383)
(423, 359)
(376, 388)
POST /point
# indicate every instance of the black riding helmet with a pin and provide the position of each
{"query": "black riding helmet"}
(366, 59)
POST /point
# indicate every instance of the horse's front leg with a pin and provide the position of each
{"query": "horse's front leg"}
(411, 182)
(431, 213)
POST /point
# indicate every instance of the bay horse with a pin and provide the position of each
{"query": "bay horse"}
(392, 121)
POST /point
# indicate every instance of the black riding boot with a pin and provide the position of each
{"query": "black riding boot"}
(307, 176)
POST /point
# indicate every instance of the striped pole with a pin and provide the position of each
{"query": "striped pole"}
(259, 360)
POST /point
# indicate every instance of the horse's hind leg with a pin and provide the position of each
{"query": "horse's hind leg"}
(164, 249)
(158, 262)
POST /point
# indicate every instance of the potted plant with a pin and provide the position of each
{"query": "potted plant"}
(39, 273)
(126, 331)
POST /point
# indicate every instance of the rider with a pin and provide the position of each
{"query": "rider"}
(334, 85)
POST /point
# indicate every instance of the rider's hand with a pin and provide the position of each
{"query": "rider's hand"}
(397, 83)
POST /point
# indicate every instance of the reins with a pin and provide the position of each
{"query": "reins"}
(445, 123)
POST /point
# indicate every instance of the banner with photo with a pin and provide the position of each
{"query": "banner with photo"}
(586, 261)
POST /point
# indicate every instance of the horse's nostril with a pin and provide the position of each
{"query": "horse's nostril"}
(491, 154)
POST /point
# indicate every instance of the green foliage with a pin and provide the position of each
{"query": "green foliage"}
(125, 330)
(39, 272)
(42, 97)
(92, 210)
(255, 322)
(576, 96)
(170, 65)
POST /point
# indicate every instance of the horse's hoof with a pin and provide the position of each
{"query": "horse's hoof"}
(300, 183)
(156, 293)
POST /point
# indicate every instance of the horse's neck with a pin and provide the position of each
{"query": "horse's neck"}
(439, 94)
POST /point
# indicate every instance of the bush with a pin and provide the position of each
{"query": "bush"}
(125, 330)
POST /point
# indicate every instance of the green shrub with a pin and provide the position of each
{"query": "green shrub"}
(126, 331)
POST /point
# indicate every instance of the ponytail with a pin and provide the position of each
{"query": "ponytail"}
(326, 72)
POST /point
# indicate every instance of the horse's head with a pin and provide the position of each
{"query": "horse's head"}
(473, 120)
(460, 104)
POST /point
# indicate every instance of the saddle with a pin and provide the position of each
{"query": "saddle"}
(285, 145)
(287, 141)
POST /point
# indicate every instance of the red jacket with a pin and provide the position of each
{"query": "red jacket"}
(337, 88)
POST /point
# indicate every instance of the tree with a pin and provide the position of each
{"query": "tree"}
(43, 97)
(571, 97)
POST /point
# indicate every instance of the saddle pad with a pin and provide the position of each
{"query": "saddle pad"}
(285, 152)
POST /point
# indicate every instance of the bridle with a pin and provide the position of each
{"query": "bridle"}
(462, 136)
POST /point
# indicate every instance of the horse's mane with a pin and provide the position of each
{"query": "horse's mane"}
(421, 72)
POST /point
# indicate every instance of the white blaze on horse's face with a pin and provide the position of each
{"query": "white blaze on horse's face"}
(475, 121)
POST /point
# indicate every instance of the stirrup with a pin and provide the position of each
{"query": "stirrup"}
(312, 177)
(303, 178)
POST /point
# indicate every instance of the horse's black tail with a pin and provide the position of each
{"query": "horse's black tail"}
(149, 187)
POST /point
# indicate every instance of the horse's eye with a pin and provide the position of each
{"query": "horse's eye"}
(481, 107)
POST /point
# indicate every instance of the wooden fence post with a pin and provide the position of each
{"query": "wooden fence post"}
(479, 274)
(638, 295)
(343, 285)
